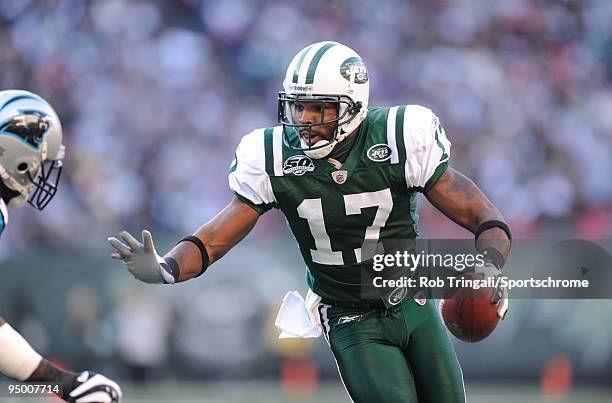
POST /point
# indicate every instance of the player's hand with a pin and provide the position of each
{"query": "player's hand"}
(487, 270)
(500, 296)
(93, 388)
(141, 259)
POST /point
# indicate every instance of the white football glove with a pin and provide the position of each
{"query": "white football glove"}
(141, 259)
(94, 388)
(500, 297)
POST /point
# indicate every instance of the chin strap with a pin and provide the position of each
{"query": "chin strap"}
(323, 151)
(326, 150)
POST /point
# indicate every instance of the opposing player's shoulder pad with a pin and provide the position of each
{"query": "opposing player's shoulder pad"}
(427, 149)
(248, 177)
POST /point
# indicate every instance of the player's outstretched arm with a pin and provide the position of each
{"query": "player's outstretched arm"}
(462, 201)
(219, 235)
(193, 254)
(18, 360)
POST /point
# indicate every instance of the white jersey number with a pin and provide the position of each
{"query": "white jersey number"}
(312, 211)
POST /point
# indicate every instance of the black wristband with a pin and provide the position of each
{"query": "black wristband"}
(492, 255)
(203, 252)
(172, 268)
(53, 374)
(493, 224)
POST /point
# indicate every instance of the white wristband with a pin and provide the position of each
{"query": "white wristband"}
(18, 359)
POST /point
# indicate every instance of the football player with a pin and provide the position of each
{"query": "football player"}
(342, 173)
(31, 154)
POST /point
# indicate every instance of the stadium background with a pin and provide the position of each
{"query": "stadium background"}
(154, 97)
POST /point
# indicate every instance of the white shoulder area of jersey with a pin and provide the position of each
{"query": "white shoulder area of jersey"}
(419, 124)
(426, 144)
(248, 175)
(251, 149)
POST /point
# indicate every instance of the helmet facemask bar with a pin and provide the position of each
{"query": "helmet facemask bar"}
(45, 183)
(289, 115)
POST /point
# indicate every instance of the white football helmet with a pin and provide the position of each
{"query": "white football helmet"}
(324, 72)
(31, 149)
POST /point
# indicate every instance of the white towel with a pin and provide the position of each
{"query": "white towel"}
(298, 318)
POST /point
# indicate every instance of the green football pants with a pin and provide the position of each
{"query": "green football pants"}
(402, 354)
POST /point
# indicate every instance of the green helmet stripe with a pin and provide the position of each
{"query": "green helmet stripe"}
(315, 61)
(296, 70)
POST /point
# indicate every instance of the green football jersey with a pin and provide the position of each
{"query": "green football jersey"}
(331, 211)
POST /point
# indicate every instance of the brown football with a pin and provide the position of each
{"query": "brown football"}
(468, 313)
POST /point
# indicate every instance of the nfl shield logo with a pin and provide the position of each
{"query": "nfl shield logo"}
(420, 298)
(339, 176)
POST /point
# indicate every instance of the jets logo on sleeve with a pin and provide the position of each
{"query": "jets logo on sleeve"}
(379, 152)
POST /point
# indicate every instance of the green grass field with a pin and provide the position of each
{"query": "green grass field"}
(260, 392)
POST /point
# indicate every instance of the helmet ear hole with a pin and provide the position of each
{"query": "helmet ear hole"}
(22, 167)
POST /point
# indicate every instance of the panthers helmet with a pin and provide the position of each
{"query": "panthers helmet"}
(323, 73)
(31, 149)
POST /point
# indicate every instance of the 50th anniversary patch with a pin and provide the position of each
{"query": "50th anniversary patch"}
(298, 165)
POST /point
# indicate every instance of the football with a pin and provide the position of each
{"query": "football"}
(468, 313)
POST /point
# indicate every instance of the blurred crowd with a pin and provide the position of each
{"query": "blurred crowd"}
(155, 95)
